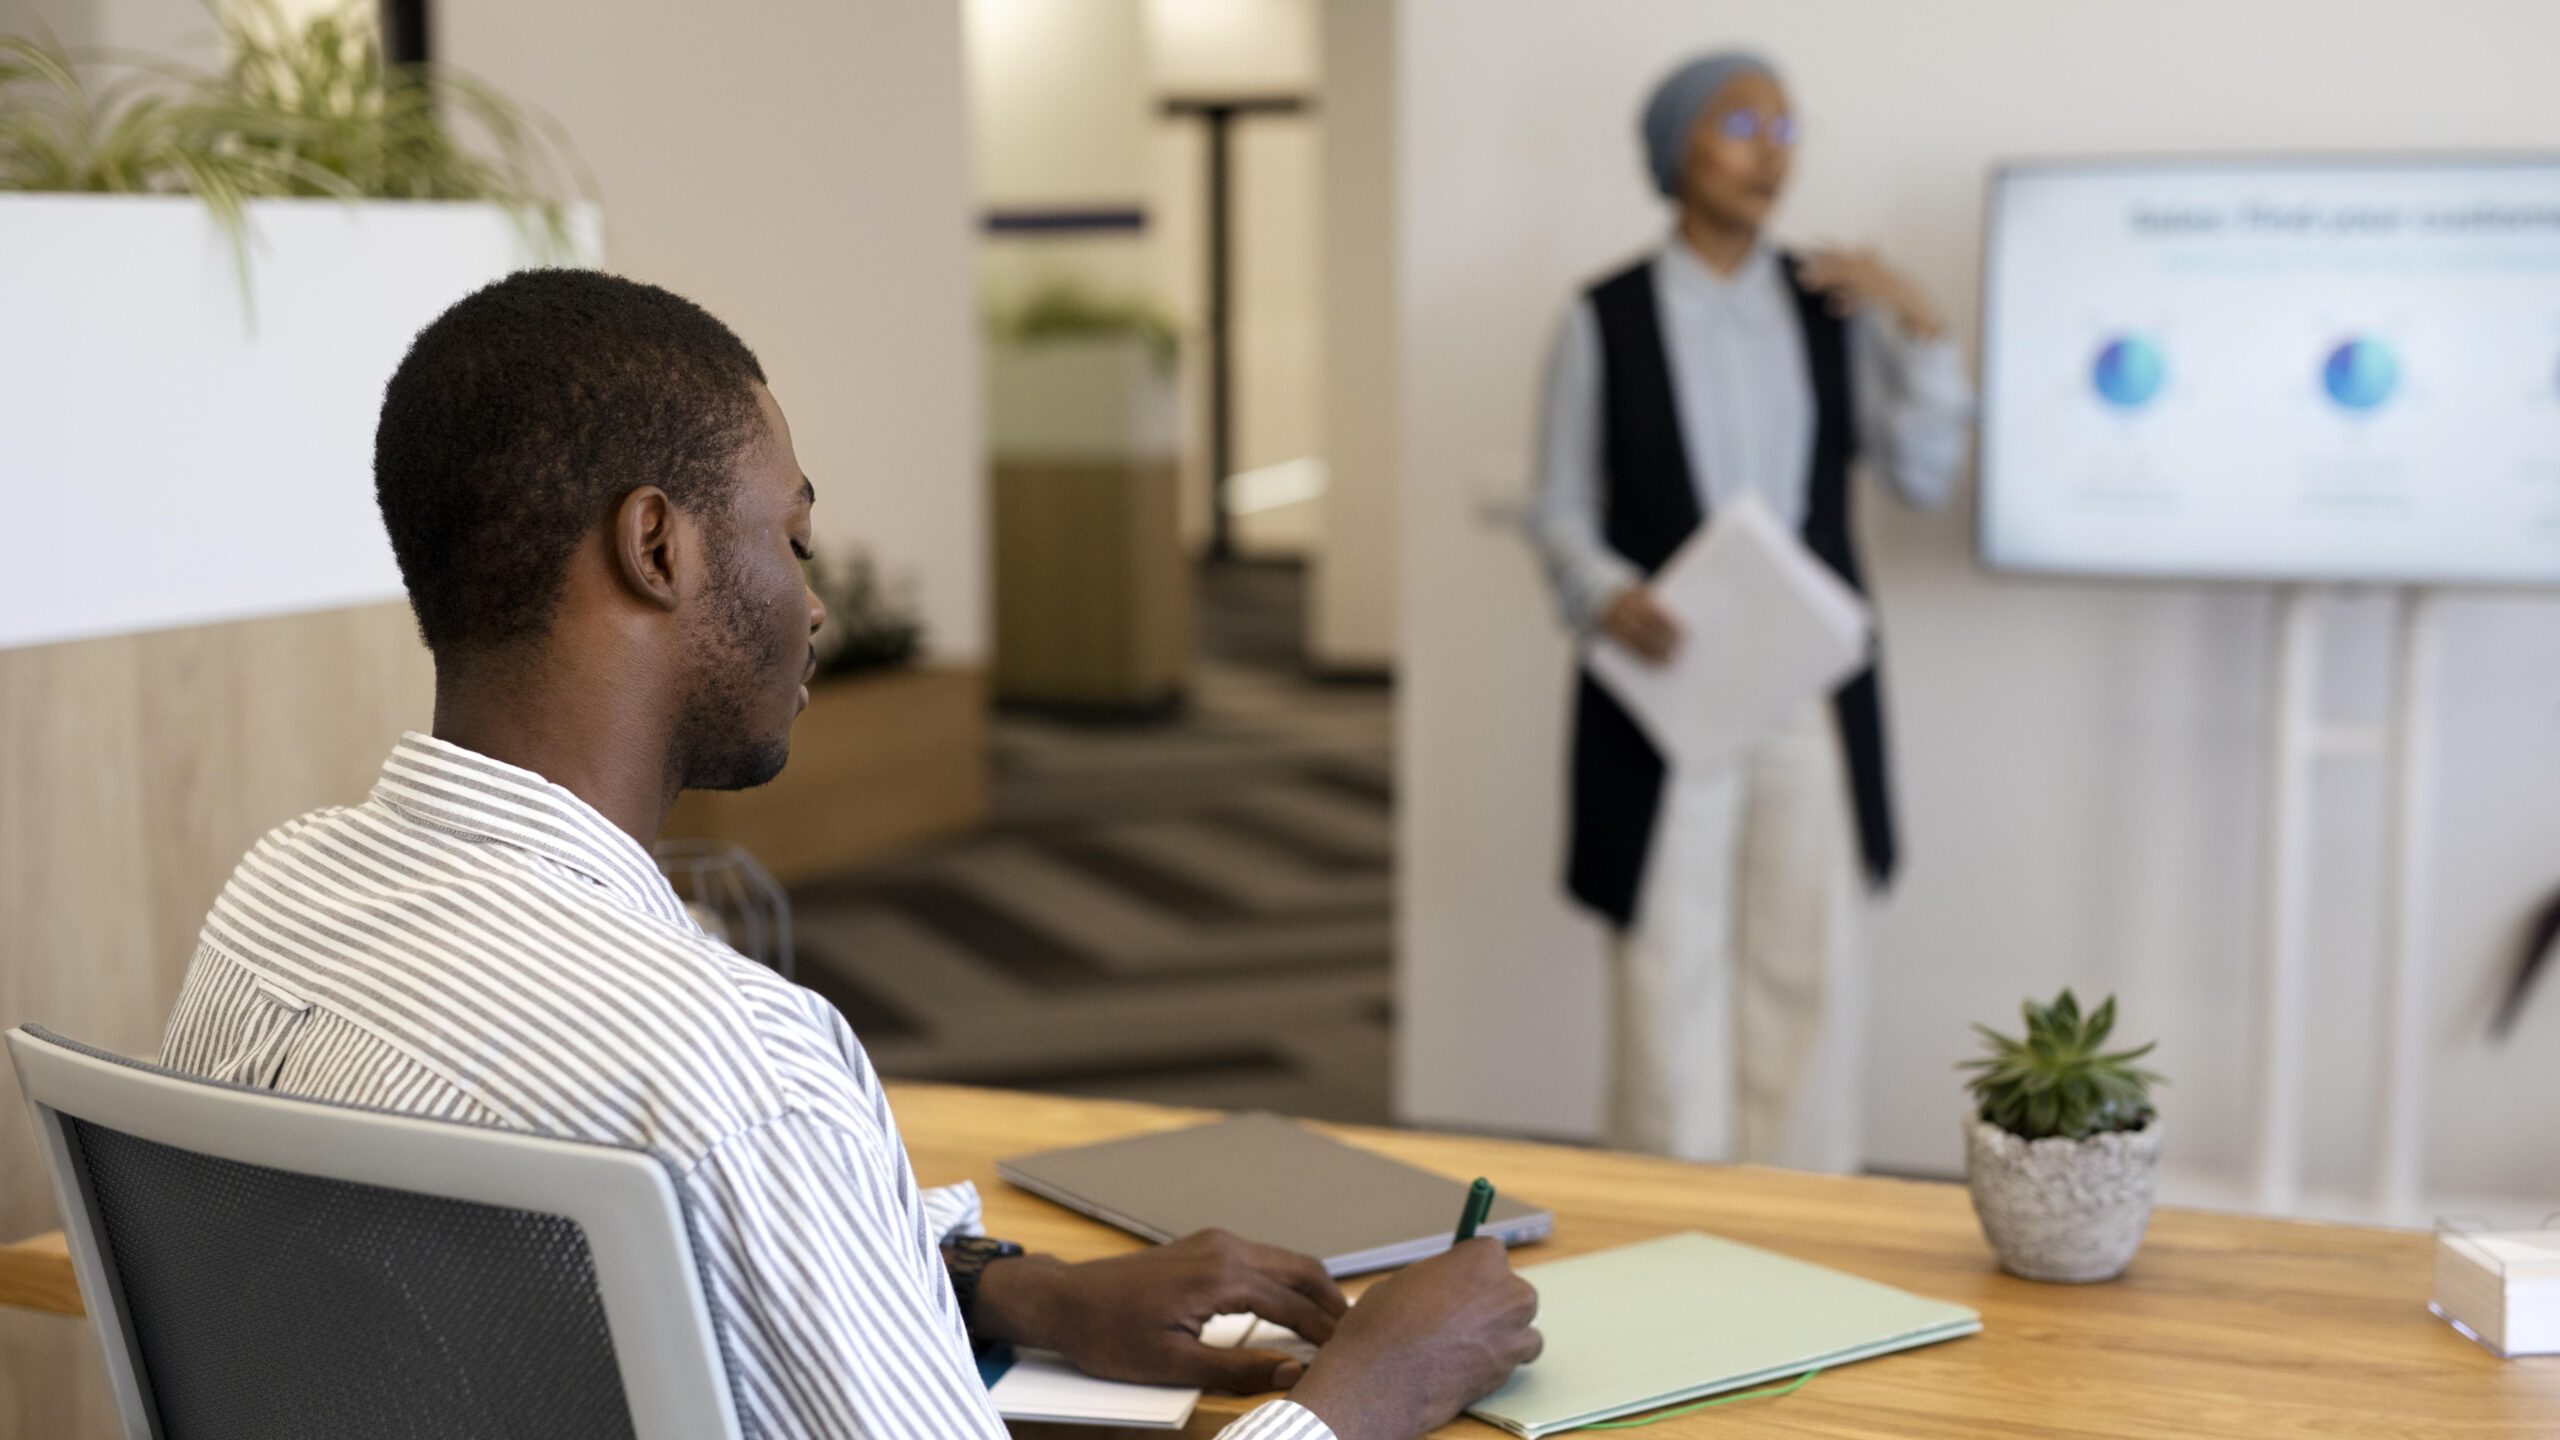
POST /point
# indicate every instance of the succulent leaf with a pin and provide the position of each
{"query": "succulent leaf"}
(2054, 1079)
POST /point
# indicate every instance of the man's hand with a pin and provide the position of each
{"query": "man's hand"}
(1424, 1344)
(1856, 279)
(1138, 1316)
(1634, 619)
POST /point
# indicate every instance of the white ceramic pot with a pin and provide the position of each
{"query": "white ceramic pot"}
(2067, 1211)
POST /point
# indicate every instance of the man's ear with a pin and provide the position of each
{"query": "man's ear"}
(651, 547)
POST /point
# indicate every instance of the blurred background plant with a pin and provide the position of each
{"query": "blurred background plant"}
(871, 624)
(307, 108)
(1064, 309)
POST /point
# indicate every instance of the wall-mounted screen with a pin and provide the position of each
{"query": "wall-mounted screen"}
(2277, 370)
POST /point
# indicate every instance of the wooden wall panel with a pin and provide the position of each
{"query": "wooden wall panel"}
(134, 771)
(1093, 593)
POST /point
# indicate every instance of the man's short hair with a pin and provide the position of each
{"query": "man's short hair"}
(523, 415)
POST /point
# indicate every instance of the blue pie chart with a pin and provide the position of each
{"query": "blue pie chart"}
(2129, 372)
(2360, 373)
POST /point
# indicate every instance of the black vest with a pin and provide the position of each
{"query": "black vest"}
(1652, 506)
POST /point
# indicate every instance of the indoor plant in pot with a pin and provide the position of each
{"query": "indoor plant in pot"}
(2063, 1151)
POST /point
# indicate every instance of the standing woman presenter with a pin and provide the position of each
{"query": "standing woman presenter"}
(1715, 368)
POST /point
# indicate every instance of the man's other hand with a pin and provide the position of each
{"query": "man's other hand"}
(1138, 1316)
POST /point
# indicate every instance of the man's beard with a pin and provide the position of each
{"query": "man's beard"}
(717, 744)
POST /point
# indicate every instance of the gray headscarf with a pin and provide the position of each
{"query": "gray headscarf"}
(1672, 113)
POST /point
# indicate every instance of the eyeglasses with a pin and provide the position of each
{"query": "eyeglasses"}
(1781, 130)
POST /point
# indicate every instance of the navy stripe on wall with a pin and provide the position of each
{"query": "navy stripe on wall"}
(1063, 220)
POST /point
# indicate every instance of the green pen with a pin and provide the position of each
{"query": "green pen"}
(1479, 1206)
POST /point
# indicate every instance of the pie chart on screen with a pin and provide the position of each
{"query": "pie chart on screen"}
(2360, 373)
(2129, 372)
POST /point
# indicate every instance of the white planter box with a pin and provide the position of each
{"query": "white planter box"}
(171, 455)
(1084, 399)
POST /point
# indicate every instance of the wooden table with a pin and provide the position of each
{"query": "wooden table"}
(2224, 1326)
(36, 1275)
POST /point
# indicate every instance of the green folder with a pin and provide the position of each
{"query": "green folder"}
(1690, 1315)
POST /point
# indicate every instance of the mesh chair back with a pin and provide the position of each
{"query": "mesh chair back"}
(267, 1268)
(266, 1305)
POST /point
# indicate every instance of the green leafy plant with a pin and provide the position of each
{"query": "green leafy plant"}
(870, 625)
(1065, 309)
(2058, 1080)
(308, 109)
(134, 134)
(316, 109)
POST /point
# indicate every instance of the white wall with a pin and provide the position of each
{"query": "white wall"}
(802, 171)
(1058, 93)
(163, 29)
(1249, 47)
(2078, 761)
(1060, 104)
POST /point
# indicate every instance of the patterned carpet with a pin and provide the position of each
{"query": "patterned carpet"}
(1194, 911)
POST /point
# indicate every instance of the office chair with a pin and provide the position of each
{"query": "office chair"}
(732, 897)
(261, 1267)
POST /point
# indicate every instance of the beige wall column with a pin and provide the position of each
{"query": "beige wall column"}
(1352, 578)
(802, 171)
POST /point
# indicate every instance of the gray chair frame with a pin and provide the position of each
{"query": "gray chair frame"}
(666, 1345)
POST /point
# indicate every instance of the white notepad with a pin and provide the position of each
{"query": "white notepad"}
(1042, 1387)
(2501, 1288)
(1765, 628)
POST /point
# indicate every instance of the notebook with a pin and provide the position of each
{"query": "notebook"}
(1272, 1180)
(1690, 1315)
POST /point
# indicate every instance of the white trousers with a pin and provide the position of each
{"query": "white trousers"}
(1735, 1000)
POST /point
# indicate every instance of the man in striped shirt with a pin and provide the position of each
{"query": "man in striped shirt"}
(600, 520)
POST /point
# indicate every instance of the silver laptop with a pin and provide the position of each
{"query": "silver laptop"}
(1272, 1180)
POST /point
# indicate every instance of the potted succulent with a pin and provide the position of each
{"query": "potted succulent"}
(2062, 1151)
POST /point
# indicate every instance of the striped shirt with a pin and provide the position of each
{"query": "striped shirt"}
(478, 944)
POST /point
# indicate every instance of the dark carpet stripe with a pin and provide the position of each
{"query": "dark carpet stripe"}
(1032, 957)
(1362, 785)
(1309, 850)
(872, 1016)
(1158, 887)
(1192, 899)
(991, 935)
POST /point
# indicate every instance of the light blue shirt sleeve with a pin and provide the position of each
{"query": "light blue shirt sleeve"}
(1563, 519)
(1915, 407)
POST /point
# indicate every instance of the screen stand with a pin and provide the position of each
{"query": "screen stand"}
(2297, 739)
(2400, 1170)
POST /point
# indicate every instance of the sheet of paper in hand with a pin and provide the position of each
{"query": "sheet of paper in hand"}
(1765, 627)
